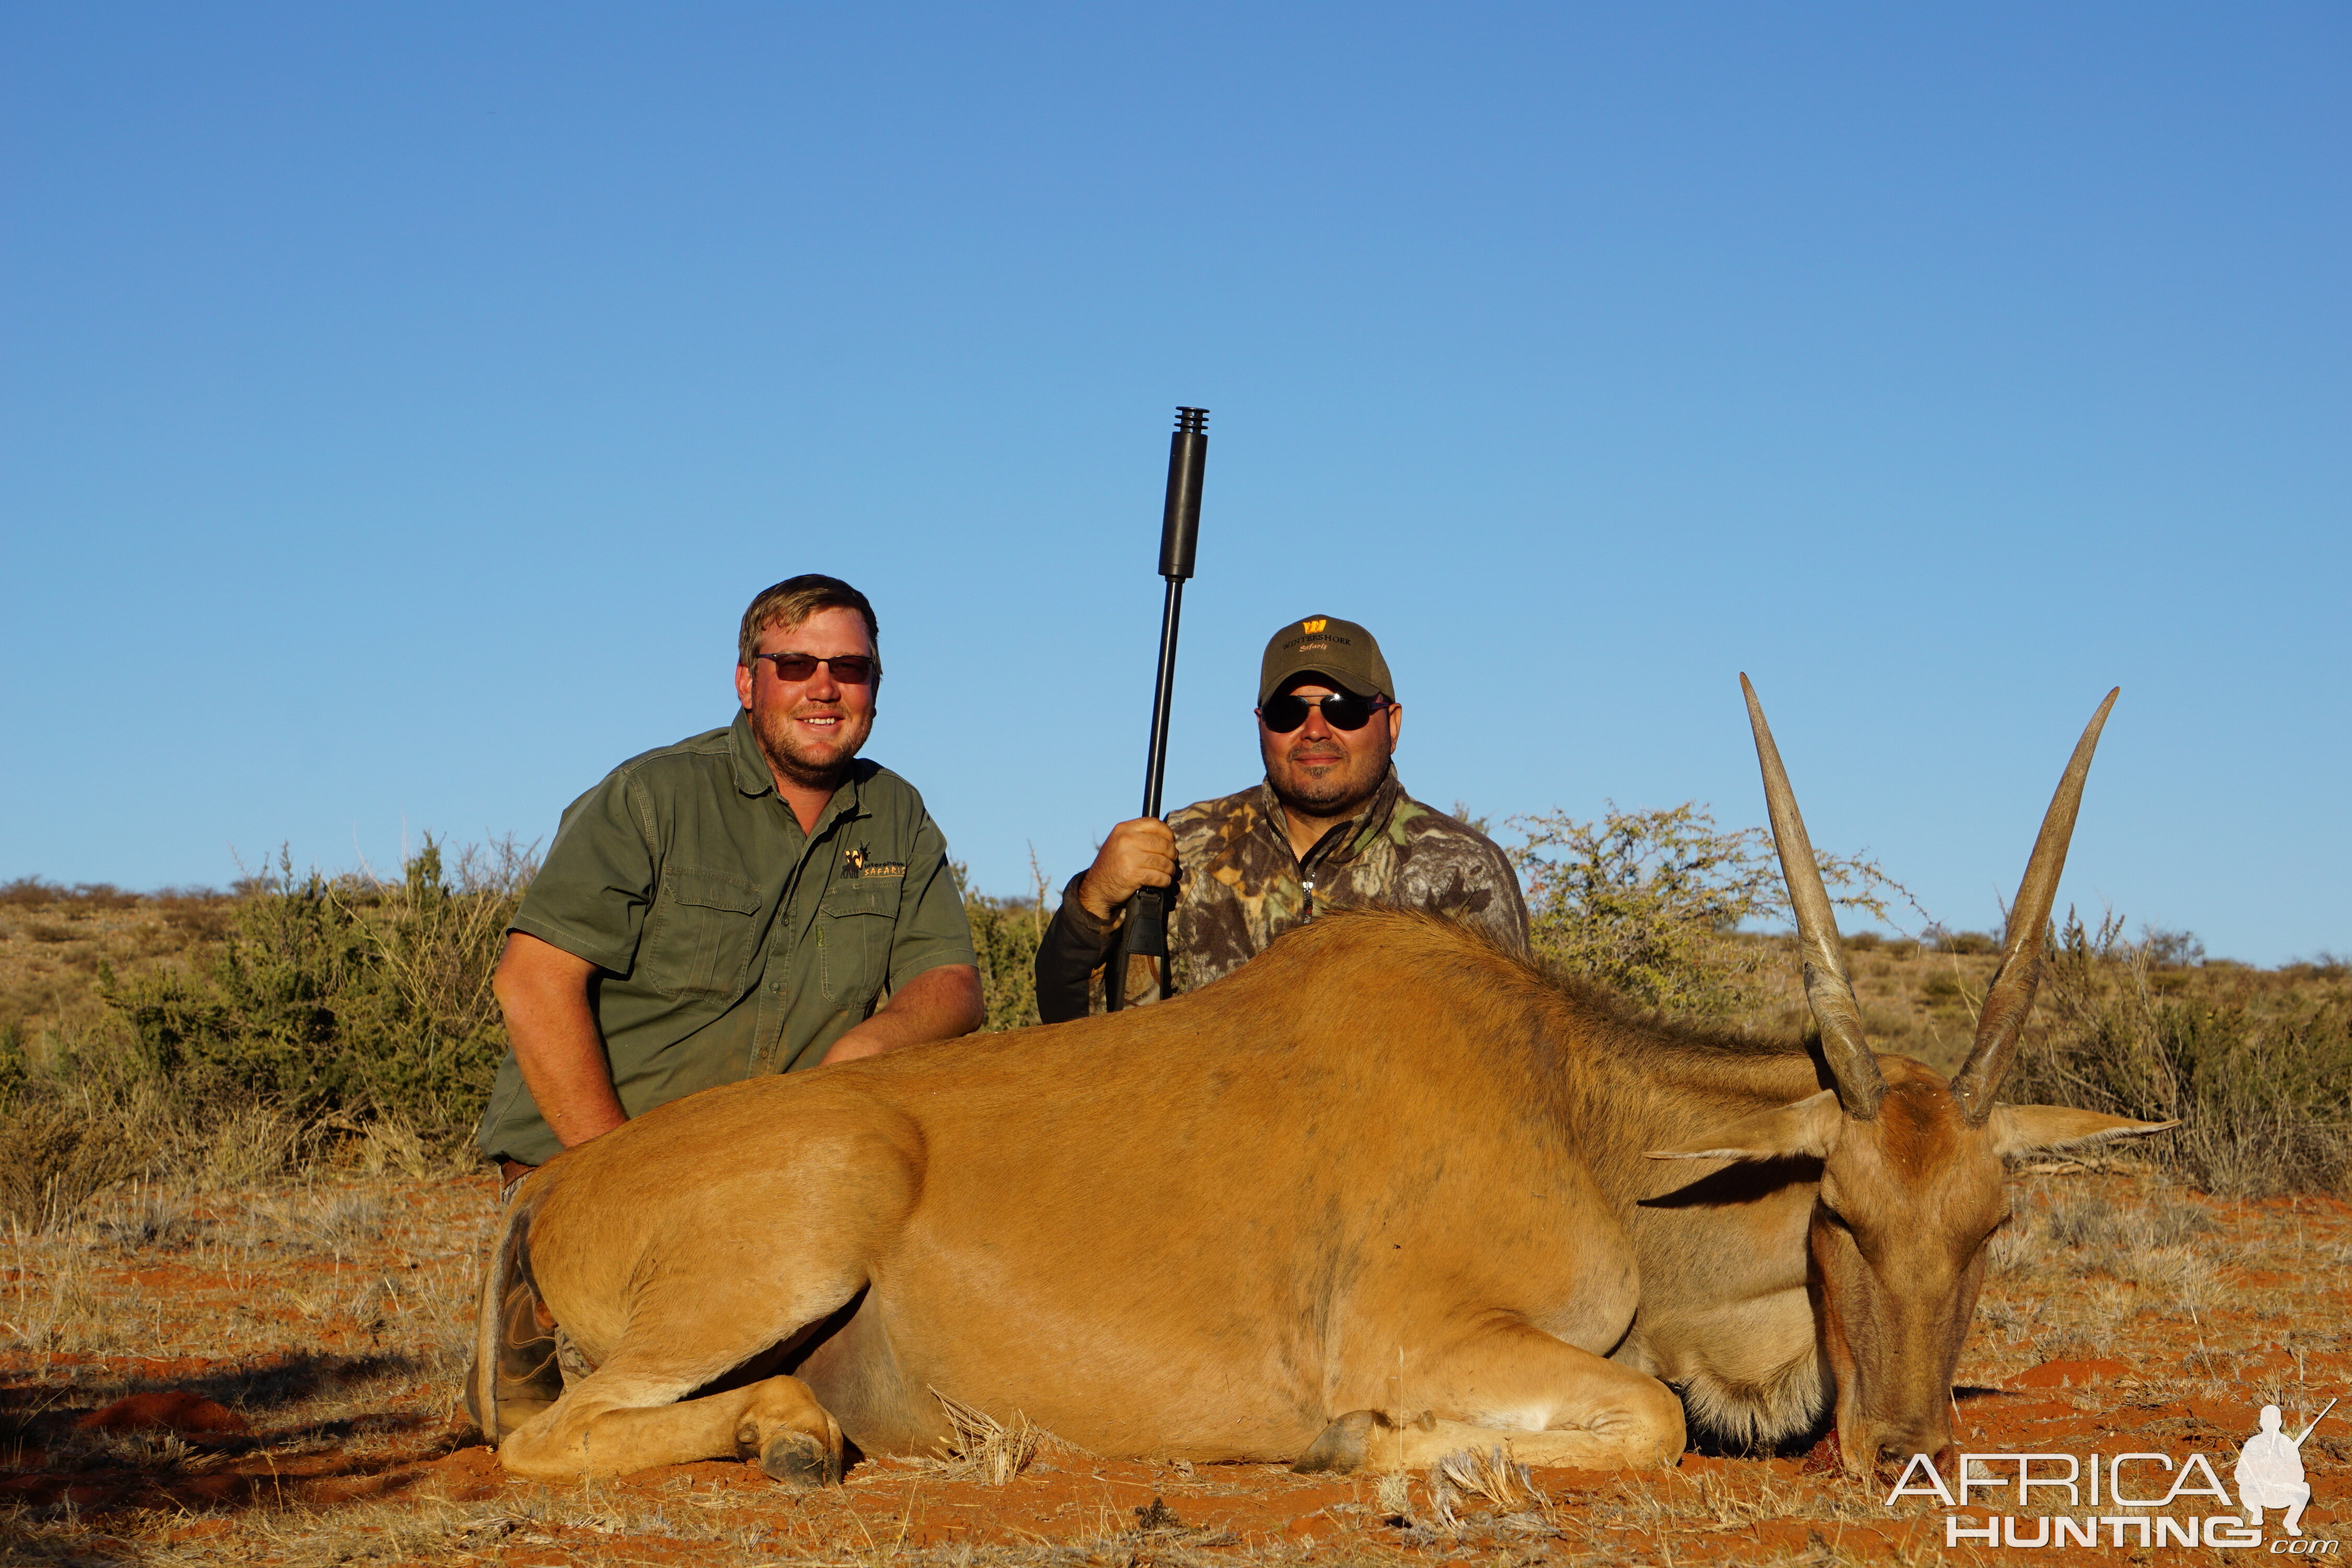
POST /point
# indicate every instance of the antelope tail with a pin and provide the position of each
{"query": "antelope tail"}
(500, 1272)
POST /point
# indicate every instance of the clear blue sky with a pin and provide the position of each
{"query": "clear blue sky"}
(398, 404)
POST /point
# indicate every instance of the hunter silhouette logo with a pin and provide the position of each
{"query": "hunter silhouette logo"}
(2147, 1500)
(2270, 1471)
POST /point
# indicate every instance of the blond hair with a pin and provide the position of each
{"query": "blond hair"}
(794, 600)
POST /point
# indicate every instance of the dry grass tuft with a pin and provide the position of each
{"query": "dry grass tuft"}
(2153, 1241)
(1480, 1472)
(152, 1221)
(1490, 1474)
(56, 1153)
(1486, 1473)
(985, 1448)
(392, 1146)
(248, 1145)
(63, 1312)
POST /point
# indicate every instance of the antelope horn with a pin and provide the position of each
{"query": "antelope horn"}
(2010, 997)
(1852, 1065)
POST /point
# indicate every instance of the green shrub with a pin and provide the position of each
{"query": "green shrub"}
(1005, 934)
(343, 997)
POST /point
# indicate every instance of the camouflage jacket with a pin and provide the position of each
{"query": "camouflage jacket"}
(1239, 886)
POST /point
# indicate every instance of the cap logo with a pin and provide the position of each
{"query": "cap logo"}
(1311, 627)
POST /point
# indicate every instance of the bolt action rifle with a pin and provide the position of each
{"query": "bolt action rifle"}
(1144, 933)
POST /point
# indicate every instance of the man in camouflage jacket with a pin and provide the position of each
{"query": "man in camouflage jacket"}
(1330, 825)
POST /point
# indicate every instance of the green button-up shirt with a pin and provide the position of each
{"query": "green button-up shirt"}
(729, 942)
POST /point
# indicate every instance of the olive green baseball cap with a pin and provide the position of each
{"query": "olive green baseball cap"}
(1342, 652)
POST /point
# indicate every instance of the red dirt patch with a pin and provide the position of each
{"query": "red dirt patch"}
(2069, 1374)
(468, 1474)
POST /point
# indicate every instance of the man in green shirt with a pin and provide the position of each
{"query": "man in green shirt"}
(735, 904)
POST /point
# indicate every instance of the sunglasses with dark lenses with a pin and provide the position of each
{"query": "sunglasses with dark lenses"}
(1287, 712)
(849, 669)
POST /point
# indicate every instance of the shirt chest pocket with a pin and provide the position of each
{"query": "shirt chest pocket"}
(702, 934)
(855, 928)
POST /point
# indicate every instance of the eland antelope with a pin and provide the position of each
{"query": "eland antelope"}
(1384, 1193)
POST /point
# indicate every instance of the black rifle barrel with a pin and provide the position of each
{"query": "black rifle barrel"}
(1145, 932)
(1179, 524)
(1180, 533)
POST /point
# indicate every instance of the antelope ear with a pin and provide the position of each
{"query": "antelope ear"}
(1807, 1127)
(2018, 1128)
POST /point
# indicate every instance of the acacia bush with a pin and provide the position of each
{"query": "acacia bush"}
(1649, 904)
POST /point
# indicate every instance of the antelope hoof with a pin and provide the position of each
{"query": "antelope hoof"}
(801, 1461)
(1342, 1447)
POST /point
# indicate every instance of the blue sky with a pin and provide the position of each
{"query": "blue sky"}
(398, 404)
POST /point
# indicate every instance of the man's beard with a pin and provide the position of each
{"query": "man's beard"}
(781, 744)
(1327, 792)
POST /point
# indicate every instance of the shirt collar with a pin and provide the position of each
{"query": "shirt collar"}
(1354, 836)
(752, 774)
(753, 777)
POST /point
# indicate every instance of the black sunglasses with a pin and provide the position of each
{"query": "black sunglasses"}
(1287, 712)
(849, 669)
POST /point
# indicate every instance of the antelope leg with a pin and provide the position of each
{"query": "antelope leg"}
(1516, 1387)
(616, 1421)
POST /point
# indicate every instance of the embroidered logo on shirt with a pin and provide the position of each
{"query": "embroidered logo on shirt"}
(856, 862)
